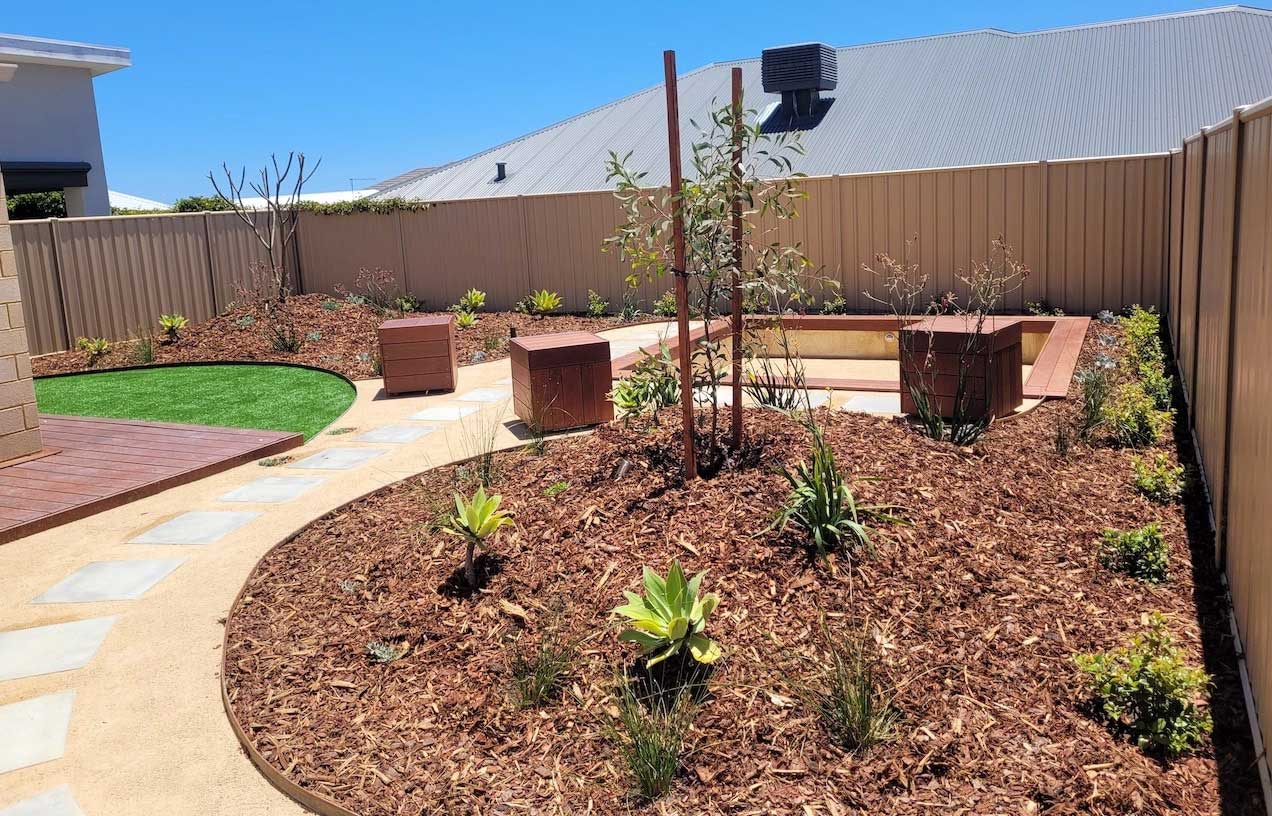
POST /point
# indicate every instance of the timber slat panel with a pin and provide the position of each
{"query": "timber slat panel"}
(103, 463)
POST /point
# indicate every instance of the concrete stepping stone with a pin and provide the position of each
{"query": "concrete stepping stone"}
(110, 581)
(48, 649)
(397, 434)
(337, 459)
(445, 413)
(53, 802)
(504, 381)
(196, 527)
(272, 489)
(873, 404)
(485, 395)
(34, 730)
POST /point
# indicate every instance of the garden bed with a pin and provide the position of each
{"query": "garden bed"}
(975, 612)
(339, 335)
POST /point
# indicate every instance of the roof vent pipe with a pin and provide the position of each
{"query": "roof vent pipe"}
(799, 73)
(501, 171)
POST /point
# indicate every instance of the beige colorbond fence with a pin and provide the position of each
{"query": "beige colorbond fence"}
(1094, 232)
(1220, 318)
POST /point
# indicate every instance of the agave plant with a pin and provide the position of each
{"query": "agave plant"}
(670, 617)
(465, 320)
(475, 521)
(542, 302)
(171, 325)
(471, 301)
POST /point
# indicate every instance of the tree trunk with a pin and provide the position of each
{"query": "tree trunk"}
(470, 572)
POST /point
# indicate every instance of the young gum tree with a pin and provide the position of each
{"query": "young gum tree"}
(765, 184)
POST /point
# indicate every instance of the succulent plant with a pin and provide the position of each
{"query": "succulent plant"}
(670, 617)
(475, 521)
(171, 325)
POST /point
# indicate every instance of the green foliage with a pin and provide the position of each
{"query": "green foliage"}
(465, 320)
(1142, 333)
(172, 324)
(595, 304)
(755, 300)
(835, 305)
(556, 489)
(1140, 553)
(275, 461)
(665, 305)
(539, 303)
(1095, 396)
(651, 741)
(475, 521)
(1063, 439)
(848, 701)
(653, 384)
(196, 203)
(767, 386)
(381, 652)
(1156, 383)
(144, 347)
(404, 303)
(820, 503)
(1148, 691)
(537, 674)
(631, 307)
(670, 617)
(94, 347)
(313, 336)
(474, 300)
(245, 322)
(284, 337)
(379, 206)
(1133, 418)
(494, 342)
(1160, 481)
(330, 305)
(26, 206)
(1043, 307)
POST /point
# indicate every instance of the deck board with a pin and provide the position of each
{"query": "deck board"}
(103, 463)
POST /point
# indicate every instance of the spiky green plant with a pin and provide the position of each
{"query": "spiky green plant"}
(670, 617)
(465, 320)
(94, 348)
(474, 300)
(475, 521)
(854, 710)
(537, 673)
(820, 503)
(651, 740)
(540, 303)
(172, 324)
(1095, 395)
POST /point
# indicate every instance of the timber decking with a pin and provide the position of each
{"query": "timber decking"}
(103, 463)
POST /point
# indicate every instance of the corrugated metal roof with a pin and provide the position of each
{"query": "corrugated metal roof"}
(976, 97)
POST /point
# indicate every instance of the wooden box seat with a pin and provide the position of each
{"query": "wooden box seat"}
(930, 351)
(418, 354)
(561, 380)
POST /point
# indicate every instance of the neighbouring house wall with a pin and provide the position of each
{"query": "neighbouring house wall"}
(19, 424)
(50, 114)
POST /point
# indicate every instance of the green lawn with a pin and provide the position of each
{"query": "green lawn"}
(266, 397)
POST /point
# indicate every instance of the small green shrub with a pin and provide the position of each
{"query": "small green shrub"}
(631, 308)
(474, 300)
(1142, 331)
(540, 303)
(1156, 383)
(381, 652)
(1140, 553)
(665, 305)
(820, 503)
(651, 741)
(330, 305)
(1095, 396)
(172, 324)
(1160, 481)
(475, 521)
(465, 320)
(537, 674)
(653, 384)
(848, 701)
(1043, 307)
(284, 337)
(670, 617)
(1132, 417)
(835, 305)
(245, 322)
(94, 348)
(144, 347)
(596, 306)
(1148, 691)
(556, 489)
(406, 304)
(494, 342)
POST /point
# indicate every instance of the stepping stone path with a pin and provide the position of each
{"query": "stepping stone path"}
(397, 434)
(337, 459)
(272, 489)
(110, 581)
(446, 413)
(873, 404)
(47, 649)
(34, 730)
(485, 395)
(55, 802)
(196, 527)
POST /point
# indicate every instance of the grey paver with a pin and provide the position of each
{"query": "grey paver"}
(446, 412)
(196, 527)
(273, 489)
(55, 648)
(337, 459)
(34, 730)
(110, 580)
(53, 802)
(504, 381)
(397, 434)
(874, 404)
(485, 395)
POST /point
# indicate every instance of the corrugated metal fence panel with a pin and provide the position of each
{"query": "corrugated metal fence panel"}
(1214, 294)
(477, 243)
(564, 239)
(41, 302)
(119, 274)
(1190, 254)
(335, 248)
(233, 249)
(1249, 563)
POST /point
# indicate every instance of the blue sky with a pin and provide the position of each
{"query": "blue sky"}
(375, 88)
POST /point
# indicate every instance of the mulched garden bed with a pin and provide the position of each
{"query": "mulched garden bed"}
(340, 337)
(976, 612)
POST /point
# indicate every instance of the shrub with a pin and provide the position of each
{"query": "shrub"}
(404, 303)
(1140, 553)
(631, 308)
(1148, 691)
(820, 503)
(835, 305)
(665, 305)
(475, 521)
(196, 203)
(595, 305)
(540, 303)
(670, 617)
(144, 347)
(537, 673)
(330, 305)
(556, 489)
(465, 320)
(1156, 383)
(284, 337)
(474, 300)
(1043, 307)
(848, 701)
(172, 324)
(245, 322)
(381, 652)
(652, 740)
(1160, 481)
(95, 348)
(1142, 331)
(653, 384)
(1095, 396)
(1132, 417)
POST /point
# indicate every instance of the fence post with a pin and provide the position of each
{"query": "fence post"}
(55, 240)
(299, 215)
(401, 239)
(207, 251)
(525, 242)
(1221, 534)
(1201, 253)
(1044, 228)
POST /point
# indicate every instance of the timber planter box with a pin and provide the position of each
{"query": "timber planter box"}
(932, 350)
(561, 380)
(418, 354)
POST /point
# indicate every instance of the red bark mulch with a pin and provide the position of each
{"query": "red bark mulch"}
(976, 612)
(340, 338)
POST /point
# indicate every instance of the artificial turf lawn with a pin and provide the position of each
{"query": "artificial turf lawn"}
(265, 397)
